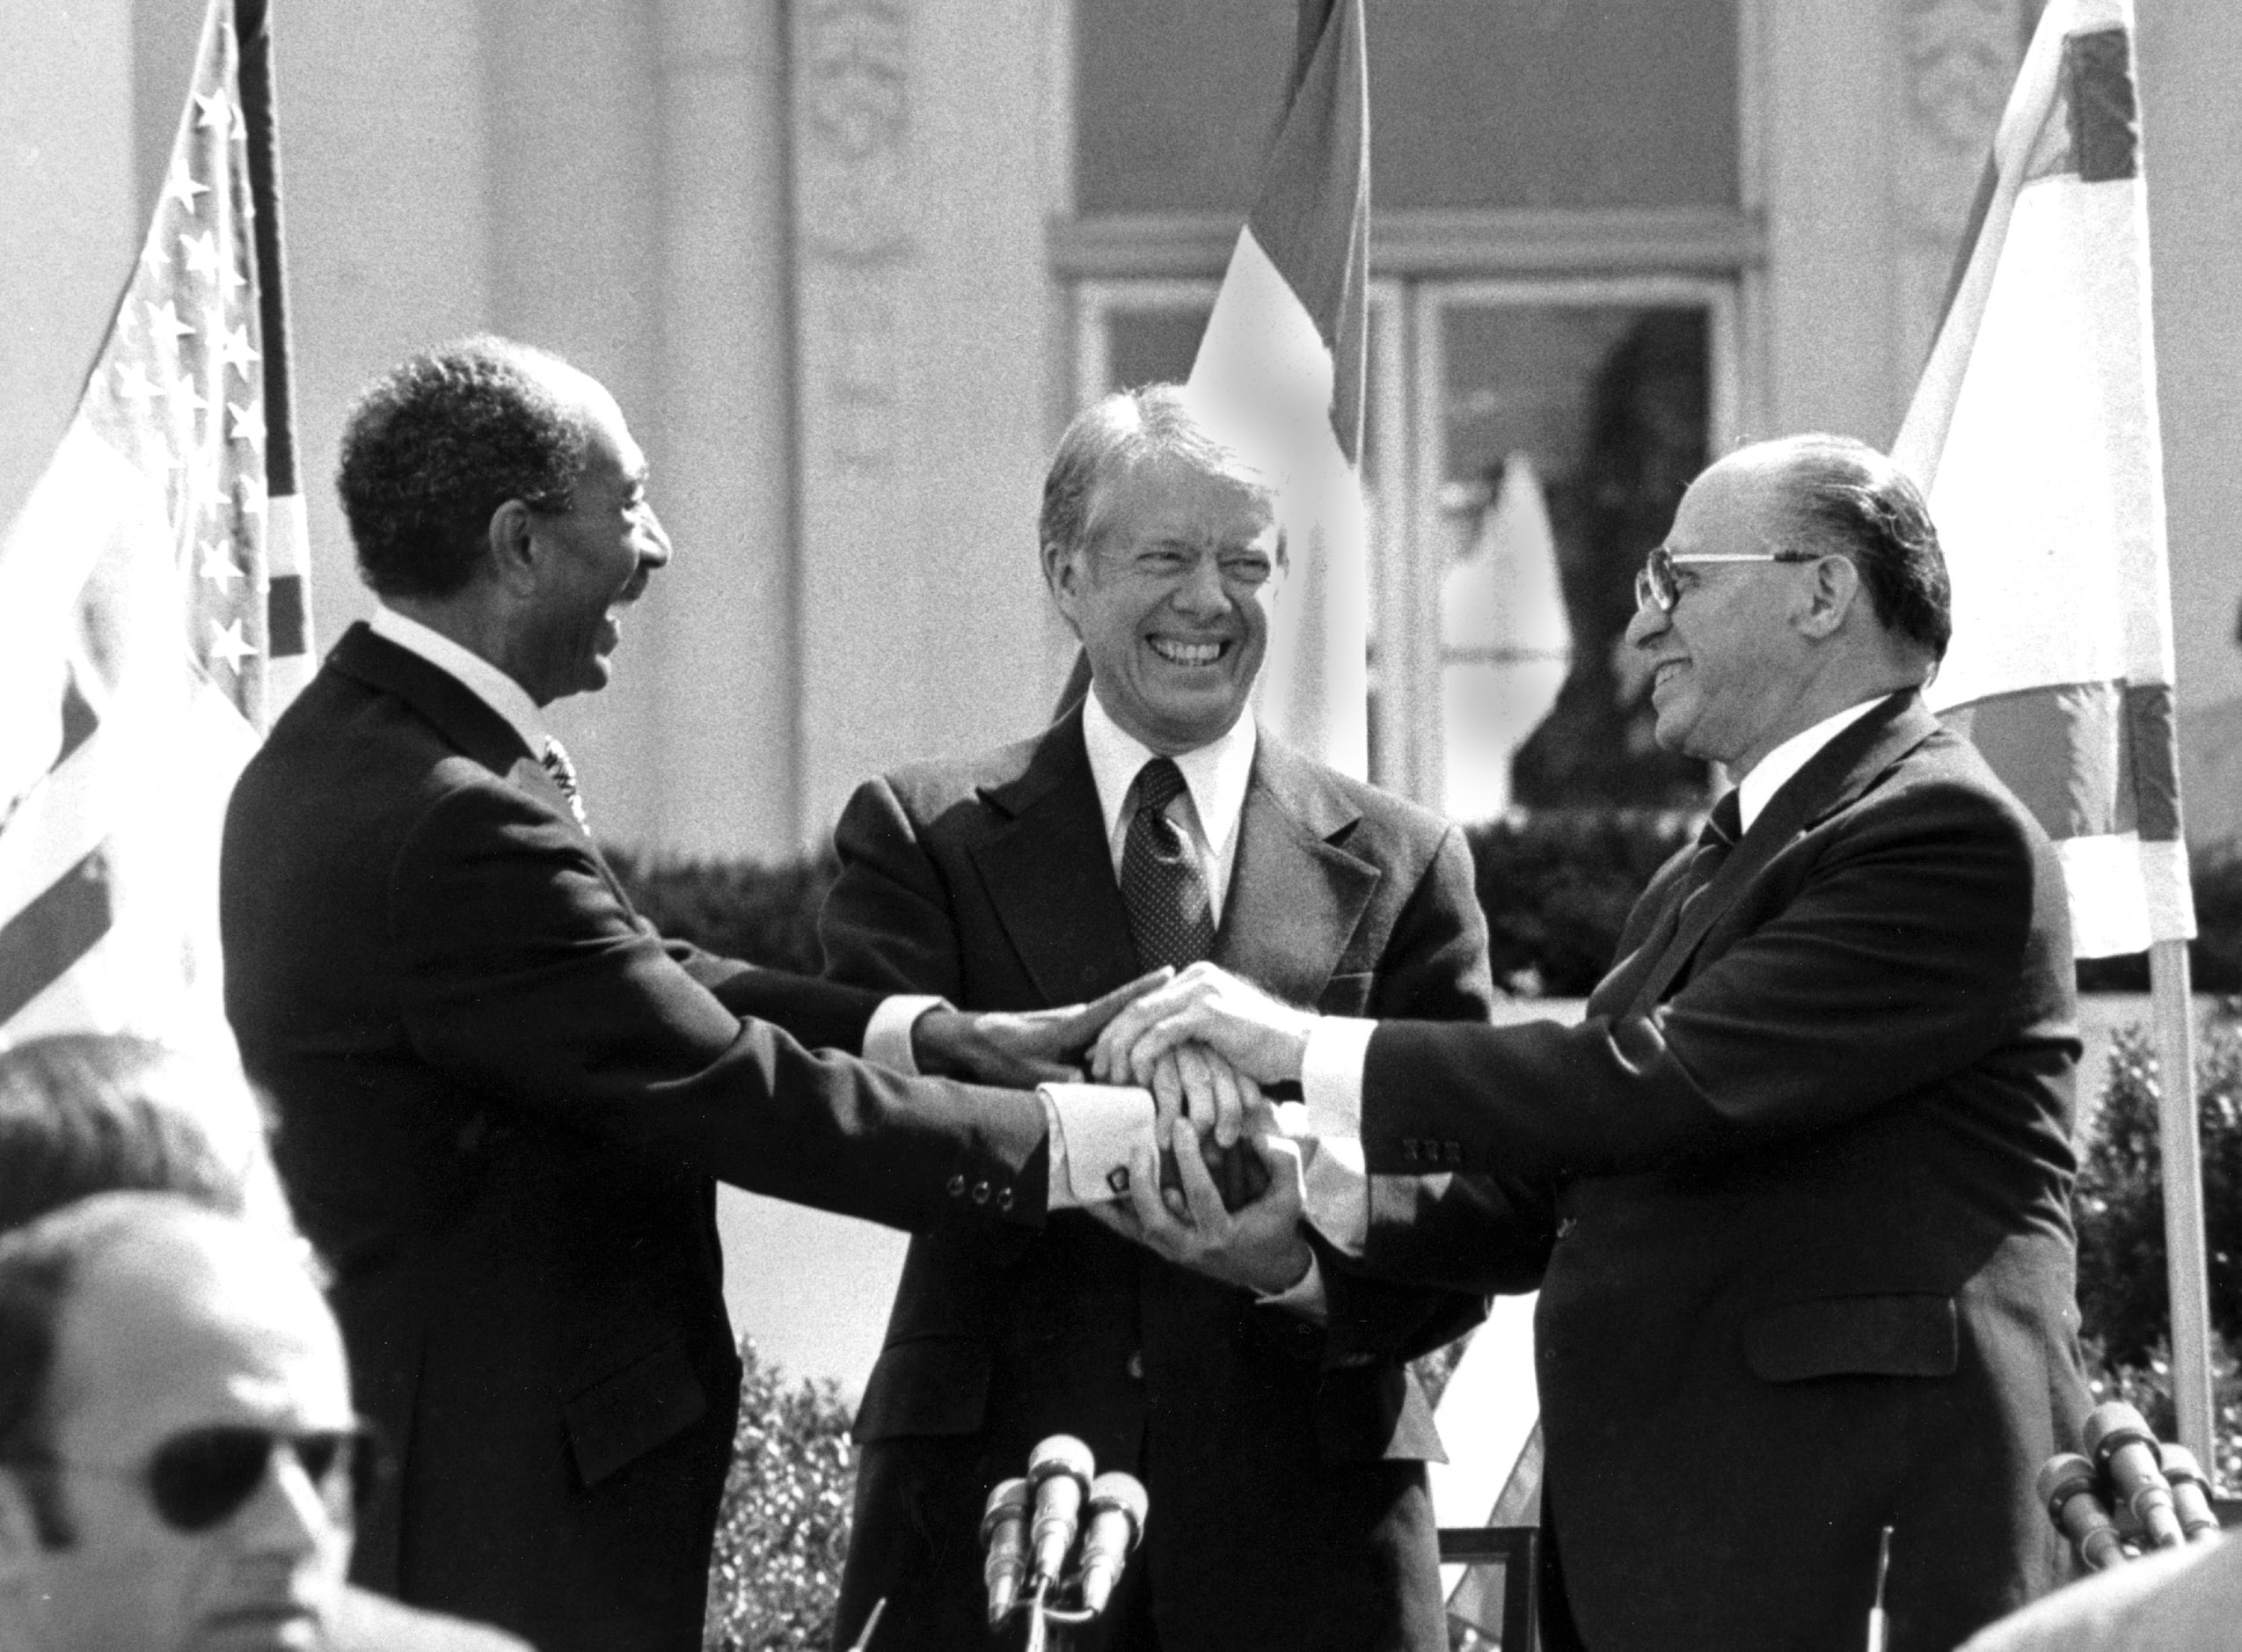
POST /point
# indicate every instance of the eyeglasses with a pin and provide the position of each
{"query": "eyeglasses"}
(1656, 585)
(199, 1478)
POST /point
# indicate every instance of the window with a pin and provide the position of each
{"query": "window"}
(1559, 261)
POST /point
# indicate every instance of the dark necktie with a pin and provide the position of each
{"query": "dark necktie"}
(1170, 916)
(1722, 827)
(563, 776)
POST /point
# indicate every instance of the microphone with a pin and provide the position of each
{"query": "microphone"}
(1059, 1471)
(2119, 1441)
(1117, 1506)
(2066, 1486)
(1003, 1533)
(2191, 1493)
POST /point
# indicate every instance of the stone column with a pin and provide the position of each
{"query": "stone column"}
(722, 423)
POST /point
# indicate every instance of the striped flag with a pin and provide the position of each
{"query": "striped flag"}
(2034, 434)
(152, 594)
(1284, 351)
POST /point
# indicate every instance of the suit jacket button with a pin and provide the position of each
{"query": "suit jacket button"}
(1409, 1148)
(980, 1193)
(1454, 1152)
(957, 1186)
(1135, 1367)
(1004, 1198)
(1565, 1226)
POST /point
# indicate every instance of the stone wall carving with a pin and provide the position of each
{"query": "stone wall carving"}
(851, 121)
(1959, 59)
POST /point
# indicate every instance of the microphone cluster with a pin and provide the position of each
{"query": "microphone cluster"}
(2127, 1494)
(1030, 1529)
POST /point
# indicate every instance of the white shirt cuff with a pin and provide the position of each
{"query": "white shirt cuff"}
(887, 1036)
(1096, 1131)
(1335, 1193)
(1331, 1076)
(1305, 1297)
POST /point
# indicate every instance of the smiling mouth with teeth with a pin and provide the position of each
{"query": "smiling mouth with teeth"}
(1186, 653)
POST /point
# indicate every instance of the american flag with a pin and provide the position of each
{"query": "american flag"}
(153, 597)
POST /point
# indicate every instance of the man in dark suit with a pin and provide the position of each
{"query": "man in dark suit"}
(1266, 1407)
(1812, 1269)
(502, 1097)
(179, 1457)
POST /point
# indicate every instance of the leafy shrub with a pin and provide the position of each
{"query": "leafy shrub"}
(763, 912)
(775, 1578)
(1557, 886)
(2119, 1202)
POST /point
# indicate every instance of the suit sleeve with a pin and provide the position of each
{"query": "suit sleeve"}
(523, 975)
(1893, 965)
(1455, 1237)
(887, 924)
(820, 1014)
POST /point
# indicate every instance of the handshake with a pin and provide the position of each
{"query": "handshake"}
(1220, 1188)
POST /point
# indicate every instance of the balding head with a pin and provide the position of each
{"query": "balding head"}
(151, 1352)
(1807, 578)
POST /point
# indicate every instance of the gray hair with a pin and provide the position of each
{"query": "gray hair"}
(1118, 435)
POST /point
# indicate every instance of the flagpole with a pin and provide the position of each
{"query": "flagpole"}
(288, 620)
(2173, 1024)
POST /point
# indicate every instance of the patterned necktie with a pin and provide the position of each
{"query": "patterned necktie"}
(1170, 915)
(563, 776)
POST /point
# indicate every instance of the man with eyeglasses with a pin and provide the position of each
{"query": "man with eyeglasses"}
(1810, 1276)
(179, 1461)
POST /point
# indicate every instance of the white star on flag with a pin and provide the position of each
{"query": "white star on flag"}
(181, 393)
(249, 498)
(217, 567)
(248, 423)
(181, 187)
(134, 385)
(236, 352)
(230, 274)
(217, 114)
(228, 644)
(208, 489)
(201, 253)
(164, 321)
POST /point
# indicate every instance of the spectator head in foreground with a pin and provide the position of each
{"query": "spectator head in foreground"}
(178, 1456)
(88, 1113)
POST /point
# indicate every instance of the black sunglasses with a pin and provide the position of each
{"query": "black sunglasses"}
(201, 1477)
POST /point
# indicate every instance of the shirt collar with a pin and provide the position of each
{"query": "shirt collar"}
(1779, 765)
(489, 684)
(1216, 774)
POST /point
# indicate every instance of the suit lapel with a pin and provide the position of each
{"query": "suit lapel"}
(462, 716)
(1049, 874)
(1294, 897)
(1835, 776)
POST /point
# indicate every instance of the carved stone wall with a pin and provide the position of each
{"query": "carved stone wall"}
(1959, 59)
(852, 119)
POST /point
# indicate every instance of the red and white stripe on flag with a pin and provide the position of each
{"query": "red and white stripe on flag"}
(2034, 434)
(1282, 354)
(135, 583)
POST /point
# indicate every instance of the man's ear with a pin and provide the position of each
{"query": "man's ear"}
(513, 549)
(1833, 588)
(1063, 574)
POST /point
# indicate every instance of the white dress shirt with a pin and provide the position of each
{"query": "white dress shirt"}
(1331, 1067)
(1108, 1123)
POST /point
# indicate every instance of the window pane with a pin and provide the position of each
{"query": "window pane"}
(1473, 103)
(1569, 432)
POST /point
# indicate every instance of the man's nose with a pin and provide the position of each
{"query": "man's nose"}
(1200, 591)
(1643, 629)
(287, 1515)
(654, 540)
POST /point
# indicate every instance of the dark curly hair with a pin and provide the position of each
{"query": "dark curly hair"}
(433, 448)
